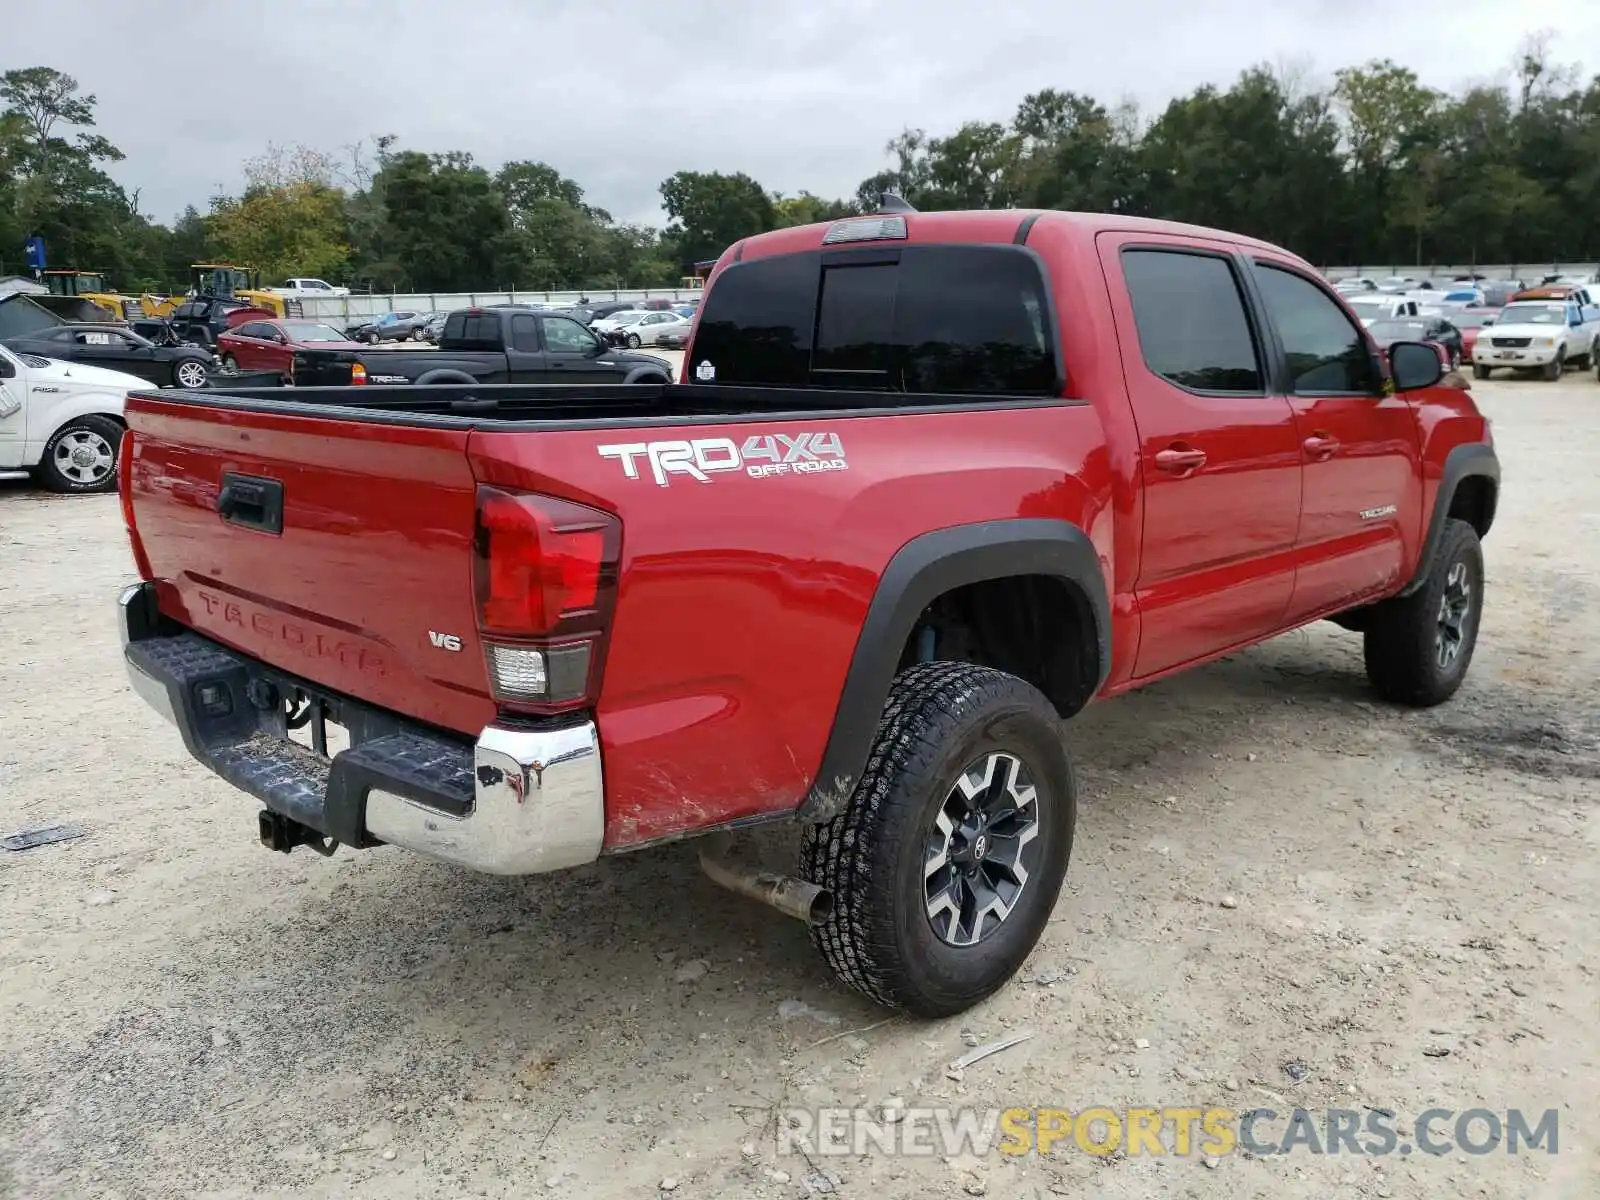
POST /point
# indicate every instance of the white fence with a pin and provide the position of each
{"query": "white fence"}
(347, 309)
(1527, 272)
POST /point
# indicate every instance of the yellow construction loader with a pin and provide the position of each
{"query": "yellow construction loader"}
(239, 283)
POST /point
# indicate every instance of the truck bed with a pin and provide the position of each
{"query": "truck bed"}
(576, 406)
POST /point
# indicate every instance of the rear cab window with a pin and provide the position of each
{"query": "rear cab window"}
(929, 319)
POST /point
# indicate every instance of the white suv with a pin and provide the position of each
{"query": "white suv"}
(1547, 335)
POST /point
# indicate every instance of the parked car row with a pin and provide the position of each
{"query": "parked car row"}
(492, 344)
(628, 323)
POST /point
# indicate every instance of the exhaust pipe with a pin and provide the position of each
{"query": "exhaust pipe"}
(797, 898)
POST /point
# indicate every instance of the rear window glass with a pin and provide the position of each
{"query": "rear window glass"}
(965, 320)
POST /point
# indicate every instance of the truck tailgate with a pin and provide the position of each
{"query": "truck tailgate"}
(344, 555)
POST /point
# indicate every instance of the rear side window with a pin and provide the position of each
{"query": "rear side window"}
(476, 331)
(524, 333)
(940, 319)
(1191, 320)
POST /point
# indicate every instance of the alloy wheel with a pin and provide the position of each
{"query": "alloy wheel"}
(84, 457)
(1455, 612)
(981, 850)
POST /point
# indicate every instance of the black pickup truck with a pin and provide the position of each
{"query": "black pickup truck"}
(488, 345)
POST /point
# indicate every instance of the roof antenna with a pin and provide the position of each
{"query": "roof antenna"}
(888, 202)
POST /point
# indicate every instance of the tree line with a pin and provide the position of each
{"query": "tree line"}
(1374, 168)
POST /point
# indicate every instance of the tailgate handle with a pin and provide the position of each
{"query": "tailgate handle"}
(251, 502)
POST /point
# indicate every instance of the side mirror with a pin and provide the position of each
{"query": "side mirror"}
(1414, 365)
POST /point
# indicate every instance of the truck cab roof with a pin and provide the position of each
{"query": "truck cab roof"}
(1001, 225)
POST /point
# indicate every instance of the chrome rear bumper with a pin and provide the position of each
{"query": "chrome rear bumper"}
(517, 801)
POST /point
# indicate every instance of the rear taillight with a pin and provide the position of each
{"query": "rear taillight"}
(545, 578)
(358, 375)
(125, 494)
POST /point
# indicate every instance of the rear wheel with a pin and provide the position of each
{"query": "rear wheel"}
(82, 456)
(1455, 360)
(947, 860)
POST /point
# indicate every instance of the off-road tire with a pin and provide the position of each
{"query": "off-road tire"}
(50, 474)
(878, 937)
(1401, 639)
(1553, 369)
(1479, 371)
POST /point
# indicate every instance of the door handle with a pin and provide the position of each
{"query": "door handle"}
(1180, 460)
(1320, 446)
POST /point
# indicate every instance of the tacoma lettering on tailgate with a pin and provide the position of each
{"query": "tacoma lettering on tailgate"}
(307, 642)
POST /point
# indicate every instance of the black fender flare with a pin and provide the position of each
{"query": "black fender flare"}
(638, 373)
(1463, 462)
(443, 375)
(920, 571)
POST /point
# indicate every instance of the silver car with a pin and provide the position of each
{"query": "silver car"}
(646, 329)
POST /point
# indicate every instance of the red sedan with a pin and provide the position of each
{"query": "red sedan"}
(1471, 322)
(270, 345)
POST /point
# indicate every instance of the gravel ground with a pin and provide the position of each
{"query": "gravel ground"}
(1412, 906)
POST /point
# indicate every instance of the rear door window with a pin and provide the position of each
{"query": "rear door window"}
(939, 319)
(1191, 319)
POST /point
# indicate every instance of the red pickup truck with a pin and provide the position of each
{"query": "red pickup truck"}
(932, 483)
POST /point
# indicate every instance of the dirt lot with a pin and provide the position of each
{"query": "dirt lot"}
(1415, 905)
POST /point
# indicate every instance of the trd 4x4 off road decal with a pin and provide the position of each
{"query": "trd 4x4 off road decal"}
(760, 457)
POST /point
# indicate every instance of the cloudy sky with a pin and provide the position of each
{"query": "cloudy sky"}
(618, 94)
